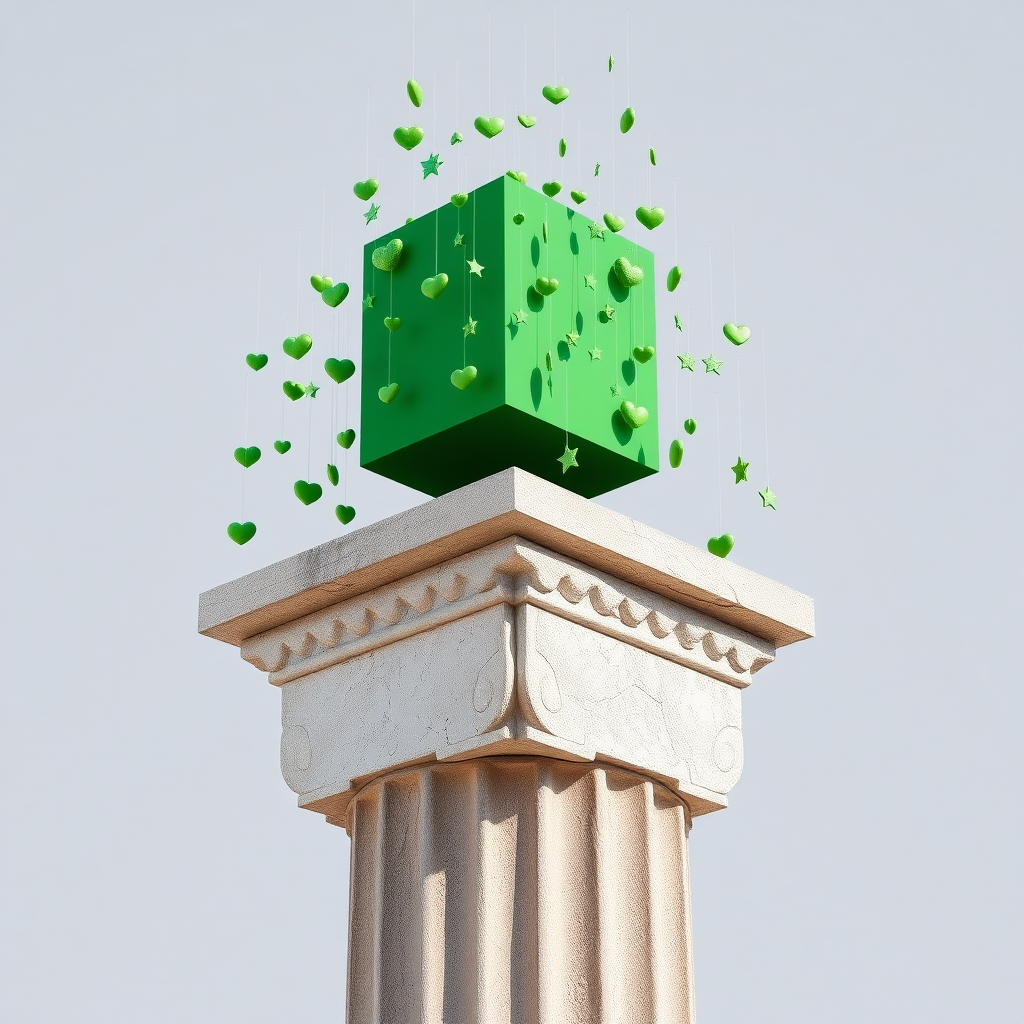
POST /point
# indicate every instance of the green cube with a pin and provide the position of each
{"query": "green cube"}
(551, 371)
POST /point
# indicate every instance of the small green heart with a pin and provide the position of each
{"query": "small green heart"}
(247, 456)
(455, 139)
(346, 437)
(650, 216)
(643, 355)
(561, 147)
(297, 347)
(721, 546)
(334, 295)
(292, 390)
(526, 121)
(629, 275)
(387, 394)
(578, 197)
(551, 188)
(634, 415)
(614, 223)
(320, 283)
(519, 176)
(306, 492)
(242, 533)
(433, 286)
(736, 333)
(392, 323)
(464, 377)
(488, 127)
(459, 200)
(653, 156)
(546, 285)
(386, 257)
(675, 275)
(690, 426)
(346, 513)
(332, 474)
(339, 370)
(366, 190)
(282, 446)
(408, 138)
(518, 218)
(257, 360)
(627, 120)
(415, 91)
(675, 454)
(555, 93)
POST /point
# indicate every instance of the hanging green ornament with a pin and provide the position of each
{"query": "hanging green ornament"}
(408, 138)
(335, 294)
(546, 285)
(675, 275)
(257, 360)
(578, 197)
(282, 446)
(675, 454)
(392, 323)
(627, 120)
(247, 457)
(346, 513)
(488, 127)
(526, 120)
(690, 426)
(433, 286)
(650, 216)
(551, 188)
(307, 492)
(415, 91)
(518, 218)
(736, 333)
(346, 437)
(366, 190)
(320, 283)
(332, 474)
(459, 200)
(339, 370)
(653, 157)
(721, 546)
(455, 139)
(293, 390)
(388, 393)
(297, 347)
(629, 275)
(634, 415)
(386, 257)
(614, 223)
(464, 377)
(241, 533)
(561, 147)
(519, 176)
(643, 354)
(555, 94)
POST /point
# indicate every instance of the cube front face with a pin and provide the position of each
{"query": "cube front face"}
(517, 412)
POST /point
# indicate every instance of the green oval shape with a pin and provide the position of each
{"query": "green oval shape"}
(415, 91)
(627, 120)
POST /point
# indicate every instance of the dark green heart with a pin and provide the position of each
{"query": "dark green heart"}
(392, 323)
(282, 446)
(306, 492)
(388, 393)
(297, 347)
(546, 285)
(526, 121)
(635, 415)
(675, 275)
(736, 333)
(242, 533)
(433, 286)
(721, 546)
(415, 91)
(578, 197)
(339, 370)
(257, 360)
(346, 513)
(614, 223)
(555, 93)
(366, 190)
(488, 127)
(346, 437)
(386, 257)
(627, 120)
(408, 138)
(332, 474)
(650, 216)
(292, 390)
(675, 454)
(464, 377)
(690, 426)
(247, 456)
(551, 188)
(518, 218)
(629, 275)
(459, 200)
(335, 294)
(644, 354)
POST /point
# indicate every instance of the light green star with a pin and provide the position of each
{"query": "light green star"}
(597, 169)
(767, 498)
(616, 390)
(369, 301)
(611, 61)
(595, 354)
(371, 213)
(520, 316)
(475, 268)
(607, 313)
(686, 361)
(455, 139)
(469, 328)
(596, 232)
(431, 164)
(590, 281)
(679, 325)
(572, 337)
(460, 239)
(711, 364)
(568, 459)
(740, 469)
(311, 389)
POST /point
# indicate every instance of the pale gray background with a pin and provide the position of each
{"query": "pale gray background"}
(154, 867)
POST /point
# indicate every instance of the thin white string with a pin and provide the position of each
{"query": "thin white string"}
(367, 132)
(413, 42)
(764, 381)
(298, 283)
(735, 301)
(627, 57)
(718, 465)
(323, 226)
(711, 298)
(675, 220)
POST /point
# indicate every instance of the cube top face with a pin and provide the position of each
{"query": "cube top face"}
(546, 366)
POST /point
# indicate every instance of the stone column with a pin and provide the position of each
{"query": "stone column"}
(516, 701)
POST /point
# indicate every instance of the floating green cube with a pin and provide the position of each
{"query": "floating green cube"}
(552, 371)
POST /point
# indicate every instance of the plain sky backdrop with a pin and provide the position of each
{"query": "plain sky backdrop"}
(868, 157)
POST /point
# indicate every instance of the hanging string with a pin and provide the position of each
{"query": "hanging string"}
(413, 45)
(309, 367)
(711, 298)
(628, 64)
(689, 378)
(323, 226)
(367, 132)
(735, 301)
(718, 464)
(245, 434)
(298, 283)
(433, 135)
(764, 381)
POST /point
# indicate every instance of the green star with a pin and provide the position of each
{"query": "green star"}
(686, 361)
(590, 281)
(595, 354)
(455, 139)
(711, 364)
(431, 164)
(596, 232)
(616, 391)
(679, 325)
(371, 213)
(611, 61)
(311, 389)
(767, 498)
(460, 239)
(475, 268)
(520, 316)
(568, 459)
(740, 469)
(369, 301)
(469, 328)
(572, 337)
(607, 313)
(597, 169)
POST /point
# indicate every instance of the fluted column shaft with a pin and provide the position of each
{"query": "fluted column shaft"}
(524, 890)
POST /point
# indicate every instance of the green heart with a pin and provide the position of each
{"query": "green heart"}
(346, 437)
(339, 370)
(242, 533)
(518, 218)
(578, 197)
(332, 474)
(736, 333)
(675, 275)
(386, 257)
(634, 415)
(257, 360)
(433, 286)
(614, 223)
(650, 216)
(346, 513)
(408, 138)
(551, 188)
(392, 323)
(526, 121)
(415, 91)
(690, 426)
(297, 347)
(334, 295)
(306, 492)
(643, 355)
(561, 147)
(320, 283)
(282, 446)
(555, 93)
(721, 546)
(247, 456)
(387, 394)
(463, 378)
(366, 189)
(519, 176)
(292, 390)
(653, 156)
(459, 200)
(488, 127)
(455, 139)
(627, 120)
(675, 454)
(546, 285)
(629, 275)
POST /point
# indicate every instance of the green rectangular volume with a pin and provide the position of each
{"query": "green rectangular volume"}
(570, 369)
